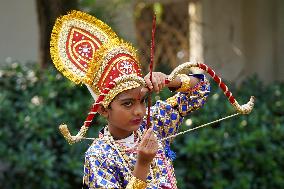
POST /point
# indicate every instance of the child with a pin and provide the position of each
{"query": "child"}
(113, 160)
(126, 154)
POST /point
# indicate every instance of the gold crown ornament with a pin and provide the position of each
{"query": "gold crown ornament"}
(87, 51)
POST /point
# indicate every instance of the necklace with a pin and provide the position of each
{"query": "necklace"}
(124, 157)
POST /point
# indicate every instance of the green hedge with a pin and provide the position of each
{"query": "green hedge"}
(33, 154)
(243, 152)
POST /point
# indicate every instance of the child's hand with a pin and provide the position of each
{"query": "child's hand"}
(158, 81)
(148, 148)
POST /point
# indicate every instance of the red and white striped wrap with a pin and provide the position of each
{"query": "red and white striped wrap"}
(218, 80)
(184, 68)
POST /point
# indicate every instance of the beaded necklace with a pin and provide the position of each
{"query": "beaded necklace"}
(109, 139)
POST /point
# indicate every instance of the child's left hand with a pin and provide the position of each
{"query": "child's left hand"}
(158, 81)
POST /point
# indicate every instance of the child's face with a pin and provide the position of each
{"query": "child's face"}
(126, 112)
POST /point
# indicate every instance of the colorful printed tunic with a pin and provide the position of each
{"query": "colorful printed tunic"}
(109, 164)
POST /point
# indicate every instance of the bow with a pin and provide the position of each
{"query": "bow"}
(182, 69)
(185, 68)
(241, 109)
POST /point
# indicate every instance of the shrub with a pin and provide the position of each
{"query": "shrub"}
(33, 153)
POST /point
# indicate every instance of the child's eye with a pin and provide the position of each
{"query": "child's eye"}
(127, 104)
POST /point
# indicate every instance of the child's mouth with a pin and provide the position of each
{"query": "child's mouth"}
(136, 121)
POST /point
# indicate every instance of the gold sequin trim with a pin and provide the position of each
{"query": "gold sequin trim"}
(103, 56)
(172, 101)
(124, 83)
(59, 37)
(136, 183)
(185, 83)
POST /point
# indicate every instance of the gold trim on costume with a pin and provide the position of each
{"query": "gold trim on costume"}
(136, 183)
(172, 101)
(185, 83)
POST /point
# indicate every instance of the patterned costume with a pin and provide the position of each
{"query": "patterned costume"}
(109, 163)
(88, 52)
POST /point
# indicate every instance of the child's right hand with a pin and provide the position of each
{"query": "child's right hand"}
(148, 148)
(158, 81)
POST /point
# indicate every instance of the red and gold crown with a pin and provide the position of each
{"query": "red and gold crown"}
(116, 69)
(87, 51)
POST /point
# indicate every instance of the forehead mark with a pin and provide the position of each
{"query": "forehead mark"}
(132, 94)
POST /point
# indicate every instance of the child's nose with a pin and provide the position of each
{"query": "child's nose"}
(139, 110)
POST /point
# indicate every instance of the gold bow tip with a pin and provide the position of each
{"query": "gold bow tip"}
(246, 108)
(72, 139)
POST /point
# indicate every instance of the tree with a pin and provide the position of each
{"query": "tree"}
(48, 11)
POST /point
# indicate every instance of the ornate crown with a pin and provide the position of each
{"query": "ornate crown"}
(87, 51)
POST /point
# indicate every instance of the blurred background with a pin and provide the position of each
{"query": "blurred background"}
(241, 40)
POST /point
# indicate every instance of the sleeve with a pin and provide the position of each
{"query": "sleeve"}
(168, 115)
